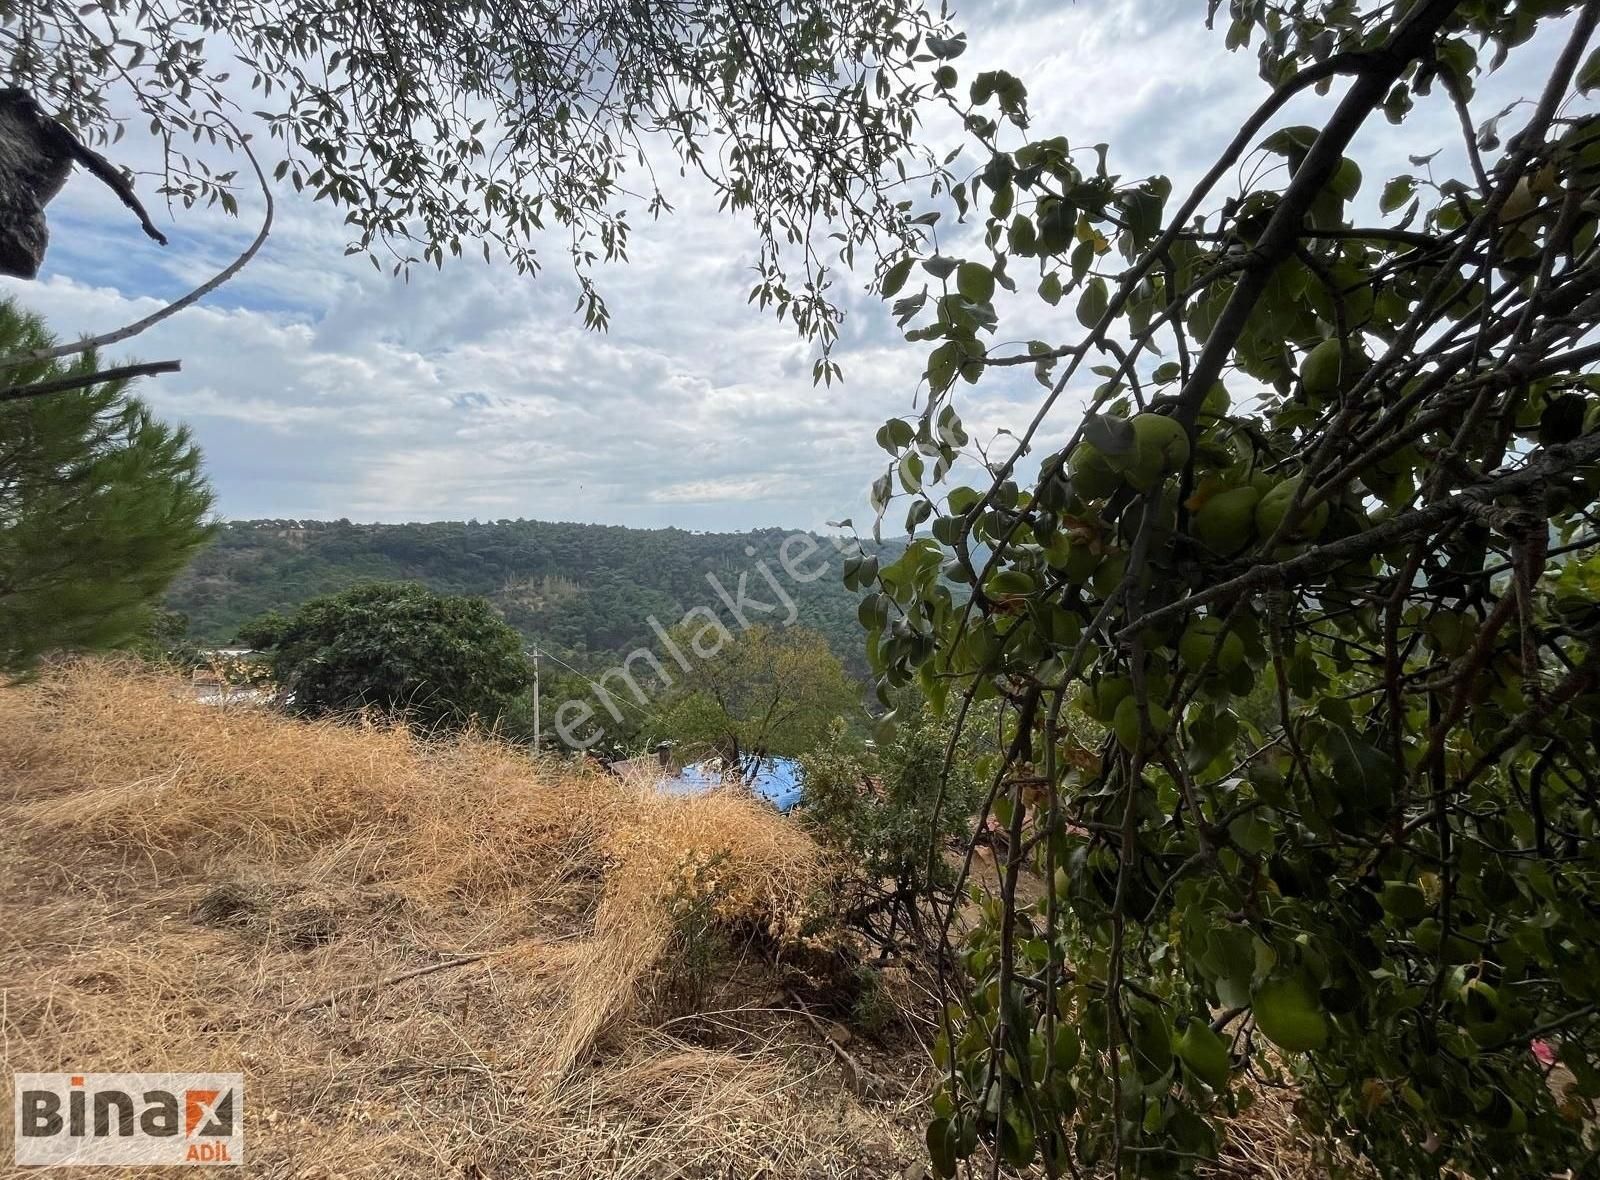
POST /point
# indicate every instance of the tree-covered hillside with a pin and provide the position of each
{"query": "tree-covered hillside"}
(585, 592)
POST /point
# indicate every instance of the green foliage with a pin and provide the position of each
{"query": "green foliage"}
(100, 507)
(584, 592)
(892, 809)
(1321, 556)
(435, 660)
(443, 127)
(765, 691)
(165, 640)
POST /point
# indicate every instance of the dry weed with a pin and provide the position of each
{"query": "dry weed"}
(189, 887)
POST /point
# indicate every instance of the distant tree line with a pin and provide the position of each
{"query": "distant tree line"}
(584, 592)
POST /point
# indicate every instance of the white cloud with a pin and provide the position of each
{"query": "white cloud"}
(319, 388)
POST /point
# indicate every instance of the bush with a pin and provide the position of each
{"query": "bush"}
(884, 808)
(436, 660)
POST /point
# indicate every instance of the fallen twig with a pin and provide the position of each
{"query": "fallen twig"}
(334, 996)
(854, 1074)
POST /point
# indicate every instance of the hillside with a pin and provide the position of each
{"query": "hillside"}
(583, 591)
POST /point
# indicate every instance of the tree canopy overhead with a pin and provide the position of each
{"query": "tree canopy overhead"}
(1321, 560)
(446, 127)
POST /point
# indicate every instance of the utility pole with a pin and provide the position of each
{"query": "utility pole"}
(536, 700)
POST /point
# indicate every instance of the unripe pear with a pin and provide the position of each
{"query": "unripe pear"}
(1108, 576)
(1346, 180)
(1275, 505)
(1205, 1053)
(1332, 366)
(1289, 1014)
(1073, 558)
(1225, 523)
(1125, 722)
(1519, 204)
(1200, 637)
(1161, 447)
(1093, 477)
(1319, 370)
(1101, 699)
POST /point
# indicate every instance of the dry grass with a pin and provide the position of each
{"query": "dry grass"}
(178, 882)
(193, 888)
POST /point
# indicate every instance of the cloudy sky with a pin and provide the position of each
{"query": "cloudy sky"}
(318, 388)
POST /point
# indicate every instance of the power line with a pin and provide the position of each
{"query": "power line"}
(599, 688)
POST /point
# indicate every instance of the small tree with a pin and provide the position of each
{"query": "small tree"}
(436, 660)
(893, 808)
(101, 506)
(770, 691)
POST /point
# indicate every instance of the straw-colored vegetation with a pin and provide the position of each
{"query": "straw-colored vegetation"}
(431, 958)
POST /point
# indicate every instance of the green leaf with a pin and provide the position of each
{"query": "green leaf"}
(943, 364)
(1589, 75)
(1093, 303)
(1050, 288)
(1109, 434)
(1396, 193)
(975, 282)
(911, 472)
(896, 277)
(942, 1147)
(896, 435)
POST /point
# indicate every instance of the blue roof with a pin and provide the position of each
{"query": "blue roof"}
(777, 780)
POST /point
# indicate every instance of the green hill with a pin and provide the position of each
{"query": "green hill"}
(585, 592)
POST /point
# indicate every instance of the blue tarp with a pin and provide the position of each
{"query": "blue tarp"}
(776, 780)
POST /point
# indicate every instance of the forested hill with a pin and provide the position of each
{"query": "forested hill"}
(582, 591)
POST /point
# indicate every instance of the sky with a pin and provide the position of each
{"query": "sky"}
(318, 388)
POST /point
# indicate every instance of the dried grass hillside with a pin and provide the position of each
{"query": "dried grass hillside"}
(438, 958)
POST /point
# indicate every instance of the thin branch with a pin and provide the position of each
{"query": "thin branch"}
(131, 330)
(80, 380)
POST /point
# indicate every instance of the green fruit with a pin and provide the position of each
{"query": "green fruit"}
(1103, 697)
(1225, 523)
(1093, 477)
(1200, 638)
(1452, 632)
(1275, 505)
(1346, 181)
(1108, 576)
(1481, 1000)
(1404, 900)
(1152, 1045)
(1319, 371)
(1519, 204)
(1161, 447)
(1125, 721)
(1288, 1014)
(1502, 1113)
(1076, 561)
(1205, 1053)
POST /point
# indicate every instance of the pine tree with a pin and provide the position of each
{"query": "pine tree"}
(101, 506)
